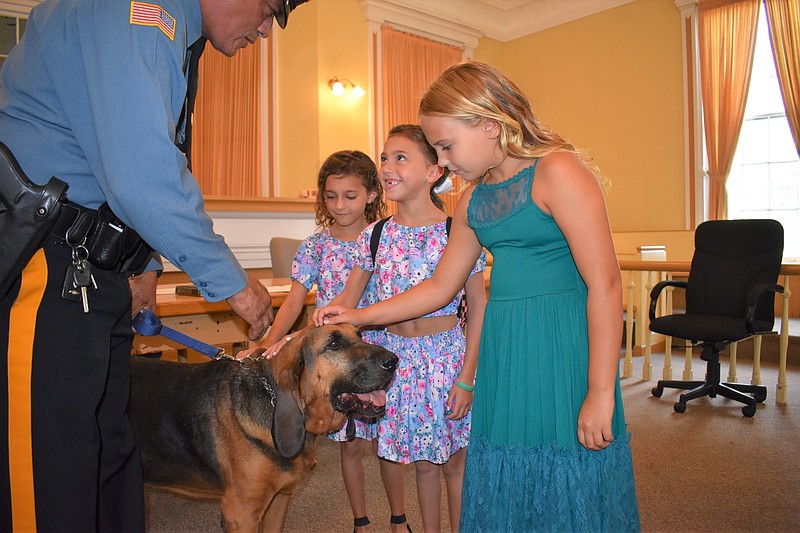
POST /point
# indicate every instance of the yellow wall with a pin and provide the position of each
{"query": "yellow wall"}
(322, 40)
(611, 83)
(344, 121)
(298, 112)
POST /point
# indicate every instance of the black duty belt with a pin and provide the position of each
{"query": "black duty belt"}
(109, 243)
(28, 212)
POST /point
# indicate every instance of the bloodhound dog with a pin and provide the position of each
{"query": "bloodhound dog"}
(247, 430)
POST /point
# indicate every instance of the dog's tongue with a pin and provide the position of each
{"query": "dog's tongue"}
(376, 397)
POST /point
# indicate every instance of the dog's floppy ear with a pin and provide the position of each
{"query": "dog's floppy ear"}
(288, 424)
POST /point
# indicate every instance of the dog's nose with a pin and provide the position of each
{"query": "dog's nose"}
(389, 361)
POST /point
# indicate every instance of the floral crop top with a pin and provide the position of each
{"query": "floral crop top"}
(327, 261)
(405, 257)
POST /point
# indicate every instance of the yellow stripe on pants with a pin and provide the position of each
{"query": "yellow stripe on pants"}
(20, 361)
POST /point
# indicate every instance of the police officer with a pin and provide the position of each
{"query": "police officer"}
(93, 94)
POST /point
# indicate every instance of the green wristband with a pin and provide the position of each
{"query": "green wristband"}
(464, 386)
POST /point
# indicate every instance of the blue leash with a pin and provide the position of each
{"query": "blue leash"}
(148, 324)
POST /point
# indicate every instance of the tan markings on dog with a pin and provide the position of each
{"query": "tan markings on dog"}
(213, 427)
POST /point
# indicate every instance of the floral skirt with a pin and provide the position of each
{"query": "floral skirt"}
(414, 427)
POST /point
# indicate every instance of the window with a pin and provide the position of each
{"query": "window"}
(11, 30)
(764, 181)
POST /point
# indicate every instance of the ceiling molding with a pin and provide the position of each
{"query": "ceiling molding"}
(403, 18)
(686, 7)
(503, 20)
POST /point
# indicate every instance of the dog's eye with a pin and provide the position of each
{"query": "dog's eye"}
(335, 344)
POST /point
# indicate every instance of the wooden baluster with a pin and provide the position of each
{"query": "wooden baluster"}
(780, 392)
(666, 372)
(627, 368)
(647, 369)
(756, 360)
(687, 363)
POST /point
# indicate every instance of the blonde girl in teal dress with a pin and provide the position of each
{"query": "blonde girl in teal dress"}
(549, 449)
(349, 196)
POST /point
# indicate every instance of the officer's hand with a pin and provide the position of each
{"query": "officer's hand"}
(254, 304)
(143, 291)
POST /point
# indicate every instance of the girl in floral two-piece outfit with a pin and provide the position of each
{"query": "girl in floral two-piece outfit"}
(427, 419)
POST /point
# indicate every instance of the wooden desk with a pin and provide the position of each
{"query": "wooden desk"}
(211, 322)
(214, 322)
(169, 304)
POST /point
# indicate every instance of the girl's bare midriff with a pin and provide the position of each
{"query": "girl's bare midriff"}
(420, 327)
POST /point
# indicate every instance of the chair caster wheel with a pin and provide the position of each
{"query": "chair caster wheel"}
(749, 410)
(760, 397)
(657, 391)
(680, 407)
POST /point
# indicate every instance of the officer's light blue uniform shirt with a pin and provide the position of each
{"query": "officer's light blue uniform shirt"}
(93, 99)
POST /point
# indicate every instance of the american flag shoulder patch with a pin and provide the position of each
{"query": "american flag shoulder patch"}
(153, 15)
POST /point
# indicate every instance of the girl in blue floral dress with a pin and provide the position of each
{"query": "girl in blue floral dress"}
(550, 448)
(427, 420)
(349, 196)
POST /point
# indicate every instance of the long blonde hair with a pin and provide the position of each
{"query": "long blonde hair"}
(472, 91)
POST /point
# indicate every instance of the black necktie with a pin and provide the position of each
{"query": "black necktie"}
(185, 120)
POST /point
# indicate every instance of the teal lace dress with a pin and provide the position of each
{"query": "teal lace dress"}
(525, 469)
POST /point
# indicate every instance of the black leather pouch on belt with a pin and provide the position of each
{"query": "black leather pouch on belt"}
(27, 212)
(111, 244)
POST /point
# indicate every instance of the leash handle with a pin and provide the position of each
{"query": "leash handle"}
(148, 324)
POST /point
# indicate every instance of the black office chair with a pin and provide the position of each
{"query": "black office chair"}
(729, 297)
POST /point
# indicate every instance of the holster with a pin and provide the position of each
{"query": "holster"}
(27, 213)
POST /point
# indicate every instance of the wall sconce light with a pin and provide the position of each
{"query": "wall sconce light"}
(338, 87)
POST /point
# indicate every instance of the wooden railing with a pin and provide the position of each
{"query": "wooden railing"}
(642, 277)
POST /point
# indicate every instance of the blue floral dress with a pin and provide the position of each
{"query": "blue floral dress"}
(326, 262)
(415, 427)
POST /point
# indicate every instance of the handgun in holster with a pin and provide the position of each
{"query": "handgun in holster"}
(27, 212)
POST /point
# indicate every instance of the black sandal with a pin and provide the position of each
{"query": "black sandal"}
(400, 519)
(360, 522)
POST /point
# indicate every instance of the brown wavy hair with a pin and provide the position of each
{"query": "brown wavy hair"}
(414, 133)
(350, 163)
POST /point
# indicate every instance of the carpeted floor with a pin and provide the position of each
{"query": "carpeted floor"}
(707, 470)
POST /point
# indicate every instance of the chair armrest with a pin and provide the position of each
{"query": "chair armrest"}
(752, 302)
(657, 291)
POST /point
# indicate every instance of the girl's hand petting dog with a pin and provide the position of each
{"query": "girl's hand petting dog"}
(269, 351)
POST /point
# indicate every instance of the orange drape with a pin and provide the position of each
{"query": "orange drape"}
(726, 31)
(410, 64)
(783, 18)
(226, 142)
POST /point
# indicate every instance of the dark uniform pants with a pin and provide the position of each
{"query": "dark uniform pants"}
(68, 459)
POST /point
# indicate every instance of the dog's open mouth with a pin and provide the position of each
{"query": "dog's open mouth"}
(368, 404)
